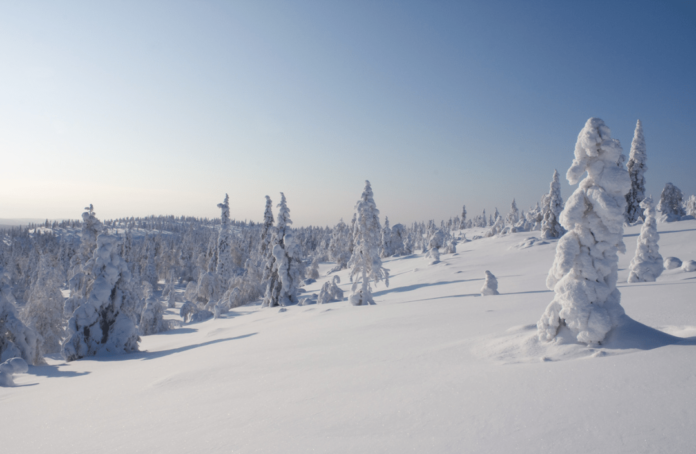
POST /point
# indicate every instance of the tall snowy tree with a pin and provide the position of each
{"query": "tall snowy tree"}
(267, 229)
(462, 224)
(225, 264)
(386, 239)
(105, 319)
(91, 227)
(690, 206)
(670, 204)
(636, 170)
(647, 264)
(339, 246)
(287, 265)
(553, 205)
(365, 262)
(44, 309)
(514, 214)
(16, 339)
(584, 272)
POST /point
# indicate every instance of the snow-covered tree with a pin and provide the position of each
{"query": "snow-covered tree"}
(386, 239)
(267, 229)
(399, 240)
(636, 171)
(670, 205)
(690, 206)
(490, 285)
(365, 263)
(104, 321)
(44, 309)
(462, 222)
(434, 243)
(340, 245)
(647, 265)
(91, 227)
(152, 318)
(16, 339)
(150, 271)
(11, 367)
(225, 265)
(312, 271)
(553, 205)
(514, 214)
(584, 272)
(287, 266)
(330, 291)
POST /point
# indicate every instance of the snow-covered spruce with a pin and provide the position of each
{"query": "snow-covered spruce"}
(647, 265)
(340, 245)
(44, 310)
(462, 224)
(513, 216)
(11, 367)
(16, 339)
(670, 206)
(365, 263)
(330, 291)
(490, 285)
(636, 171)
(435, 242)
(152, 318)
(386, 240)
(398, 240)
(225, 265)
(104, 321)
(227, 302)
(553, 205)
(584, 272)
(285, 263)
(671, 263)
(77, 281)
(690, 206)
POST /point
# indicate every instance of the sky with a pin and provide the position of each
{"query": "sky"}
(162, 107)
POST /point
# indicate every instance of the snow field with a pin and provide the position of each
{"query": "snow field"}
(433, 367)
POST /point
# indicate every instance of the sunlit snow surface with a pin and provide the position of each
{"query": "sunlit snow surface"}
(432, 368)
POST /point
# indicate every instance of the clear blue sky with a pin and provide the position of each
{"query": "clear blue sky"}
(162, 107)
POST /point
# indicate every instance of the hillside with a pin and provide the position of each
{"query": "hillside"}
(432, 368)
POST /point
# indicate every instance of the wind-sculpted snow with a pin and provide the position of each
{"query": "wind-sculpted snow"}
(11, 367)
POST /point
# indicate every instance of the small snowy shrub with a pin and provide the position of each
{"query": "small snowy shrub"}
(647, 265)
(330, 291)
(689, 265)
(490, 285)
(672, 263)
(11, 367)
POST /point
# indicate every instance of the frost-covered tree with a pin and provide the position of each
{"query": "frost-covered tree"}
(553, 205)
(340, 245)
(690, 206)
(44, 309)
(386, 239)
(11, 367)
(330, 291)
(312, 271)
(16, 339)
(77, 281)
(150, 271)
(287, 266)
(104, 319)
(584, 272)
(267, 229)
(462, 222)
(490, 285)
(365, 263)
(399, 240)
(670, 205)
(514, 214)
(434, 243)
(225, 265)
(636, 171)
(647, 264)
(152, 318)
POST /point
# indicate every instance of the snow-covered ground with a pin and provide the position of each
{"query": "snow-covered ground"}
(432, 368)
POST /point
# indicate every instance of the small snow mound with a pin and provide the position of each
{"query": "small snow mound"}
(689, 265)
(521, 344)
(672, 263)
(11, 367)
(531, 241)
(282, 309)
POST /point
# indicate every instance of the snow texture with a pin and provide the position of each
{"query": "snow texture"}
(647, 265)
(490, 285)
(689, 265)
(584, 272)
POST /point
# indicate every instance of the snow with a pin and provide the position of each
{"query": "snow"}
(431, 368)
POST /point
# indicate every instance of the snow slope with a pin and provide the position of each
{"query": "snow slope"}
(432, 368)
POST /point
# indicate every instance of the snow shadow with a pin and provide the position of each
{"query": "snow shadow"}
(409, 288)
(54, 371)
(177, 331)
(146, 356)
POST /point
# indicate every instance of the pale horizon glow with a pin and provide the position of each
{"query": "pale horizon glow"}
(162, 107)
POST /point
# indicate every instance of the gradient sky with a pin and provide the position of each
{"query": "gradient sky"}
(162, 107)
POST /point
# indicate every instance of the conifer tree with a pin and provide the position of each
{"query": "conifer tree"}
(514, 214)
(339, 246)
(225, 265)
(584, 272)
(553, 205)
(462, 224)
(386, 239)
(365, 263)
(670, 204)
(44, 309)
(647, 264)
(636, 170)
(16, 339)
